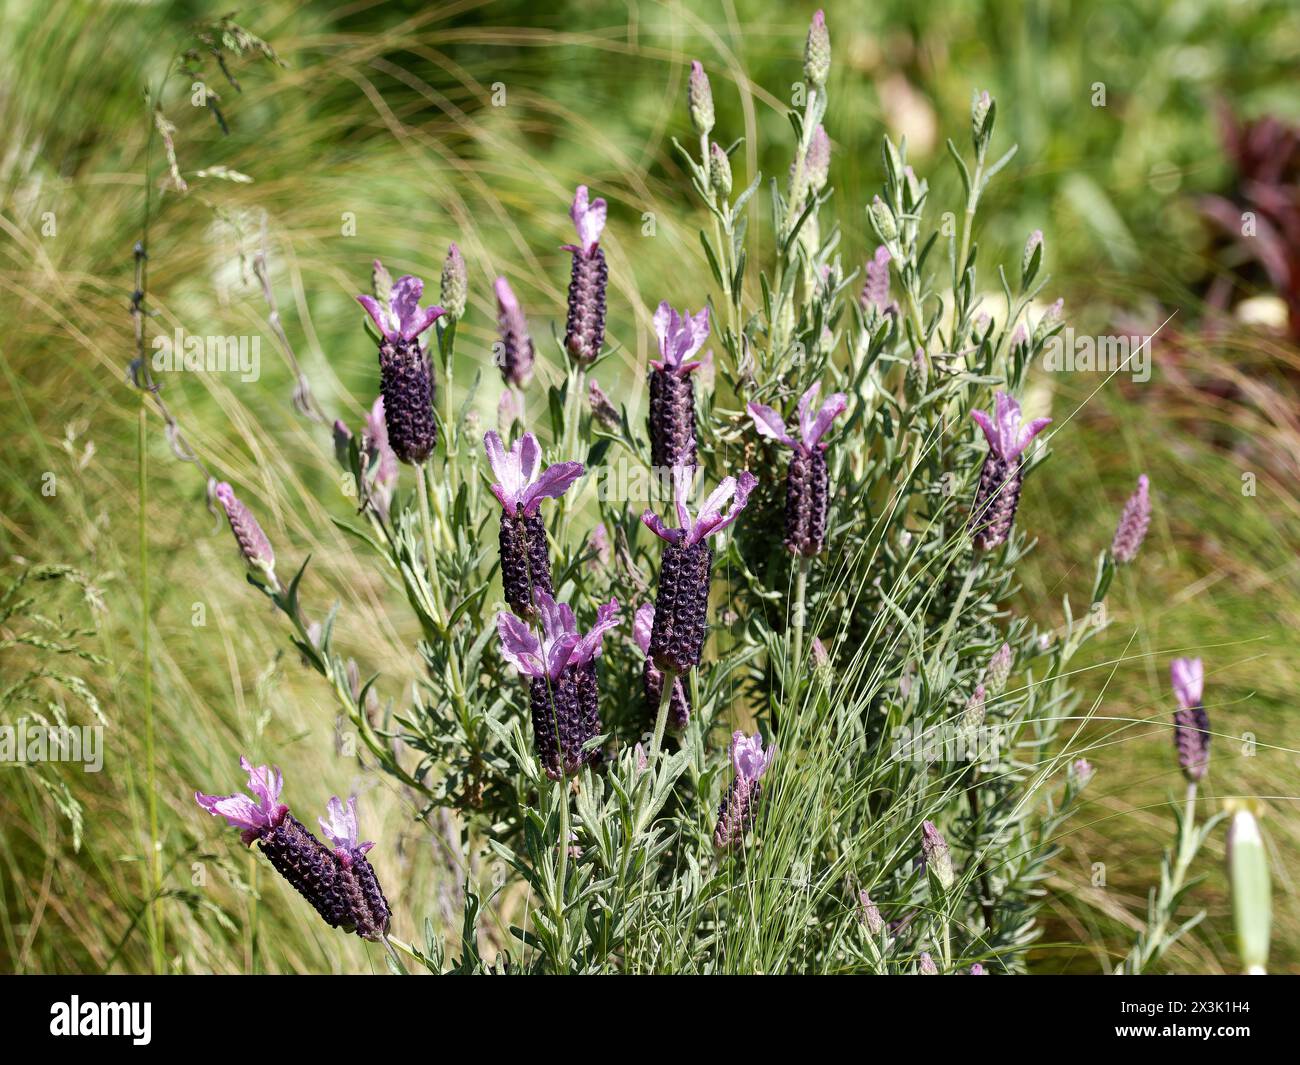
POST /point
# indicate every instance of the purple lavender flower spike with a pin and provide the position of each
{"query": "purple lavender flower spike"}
(736, 812)
(562, 689)
(516, 355)
(977, 970)
(652, 680)
(807, 482)
(817, 52)
(681, 606)
(1133, 522)
(869, 913)
(1191, 722)
(405, 372)
(252, 541)
(585, 330)
(998, 494)
(339, 884)
(521, 486)
(357, 881)
(672, 390)
(875, 289)
(926, 965)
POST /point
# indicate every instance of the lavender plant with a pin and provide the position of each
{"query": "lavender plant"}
(912, 814)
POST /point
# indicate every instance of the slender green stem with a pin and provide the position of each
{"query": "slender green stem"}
(154, 910)
(661, 718)
(430, 562)
(800, 611)
(562, 878)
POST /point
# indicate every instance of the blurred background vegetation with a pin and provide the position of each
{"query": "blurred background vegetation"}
(393, 128)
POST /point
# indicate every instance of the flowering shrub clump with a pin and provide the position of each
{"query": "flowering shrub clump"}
(824, 739)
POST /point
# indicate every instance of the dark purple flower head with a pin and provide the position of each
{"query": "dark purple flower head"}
(1188, 678)
(679, 707)
(255, 816)
(521, 485)
(402, 318)
(680, 337)
(1006, 436)
(561, 644)
(1133, 522)
(340, 828)
(709, 519)
(588, 219)
(814, 421)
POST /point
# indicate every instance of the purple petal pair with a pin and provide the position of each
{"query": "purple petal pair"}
(340, 884)
(807, 481)
(405, 371)
(672, 389)
(585, 327)
(998, 495)
(685, 571)
(736, 812)
(521, 486)
(561, 668)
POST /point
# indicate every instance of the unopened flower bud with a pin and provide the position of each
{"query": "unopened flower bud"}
(817, 52)
(926, 966)
(602, 407)
(1252, 906)
(982, 114)
(719, 171)
(869, 913)
(699, 98)
(998, 670)
(937, 857)
(882, 220)
(455, 284)
(1033, 256)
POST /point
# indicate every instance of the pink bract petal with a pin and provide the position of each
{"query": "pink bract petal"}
(769, 423)
(377, 314)
(405, 300)
(519, 646)
(643, 624)
(340, 823)
(1188, 678)
(551, 485)
(588, 219)
(655, 524)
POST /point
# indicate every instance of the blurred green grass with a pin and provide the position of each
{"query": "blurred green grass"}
(385, 112)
